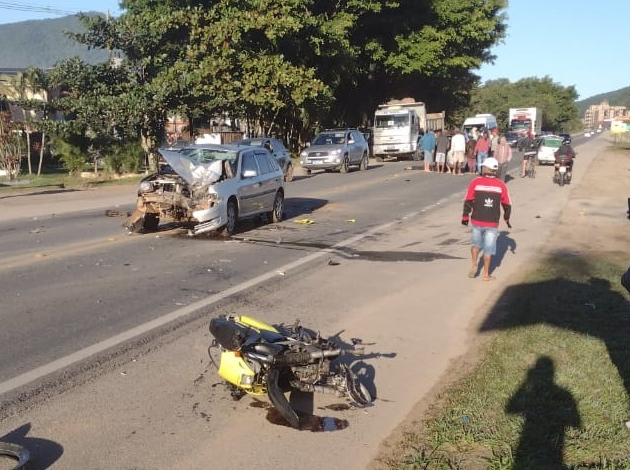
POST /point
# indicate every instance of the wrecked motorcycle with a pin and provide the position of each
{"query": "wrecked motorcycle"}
(257, 358)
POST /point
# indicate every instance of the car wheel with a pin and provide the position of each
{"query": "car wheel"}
(229, 228)
(288, 176)
(344, 165)
(364, 162)
(378, 158)
(150, 222)
(277, 211)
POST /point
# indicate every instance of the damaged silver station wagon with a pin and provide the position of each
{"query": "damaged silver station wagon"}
(209, 188)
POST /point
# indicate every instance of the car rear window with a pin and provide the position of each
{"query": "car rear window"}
(553, 143)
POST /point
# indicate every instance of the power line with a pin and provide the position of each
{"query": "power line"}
(35, 9)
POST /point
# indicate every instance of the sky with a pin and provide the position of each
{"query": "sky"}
(575, 42)
(583, 43)
(22, 10)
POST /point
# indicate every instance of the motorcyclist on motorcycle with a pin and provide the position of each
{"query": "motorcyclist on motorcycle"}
(566, 150)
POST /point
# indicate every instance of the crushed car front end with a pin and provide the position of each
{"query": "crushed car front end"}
(181, 193)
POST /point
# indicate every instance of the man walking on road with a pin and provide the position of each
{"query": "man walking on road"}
(442, 145)
(482, 206)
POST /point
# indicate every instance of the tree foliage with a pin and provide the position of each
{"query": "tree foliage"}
(11, 143)
(285, 67)
(559, 109)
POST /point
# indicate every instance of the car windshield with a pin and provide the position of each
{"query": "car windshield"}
(391, 120)
(521, 124)
(327, 138)
(206, 155)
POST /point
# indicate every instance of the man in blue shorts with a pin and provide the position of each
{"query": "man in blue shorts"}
(482, 206)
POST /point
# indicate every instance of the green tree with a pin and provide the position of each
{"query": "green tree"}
(557, 102)
(285, 67)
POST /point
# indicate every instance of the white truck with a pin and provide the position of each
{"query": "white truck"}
(397, 126)
(479, 122)
(525, 120)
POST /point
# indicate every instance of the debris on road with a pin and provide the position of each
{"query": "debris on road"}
(115, 213)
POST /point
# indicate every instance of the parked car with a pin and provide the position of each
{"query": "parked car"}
(209, 187)
(336, 149)
(277, 149)
(587, 134)
(547, 146)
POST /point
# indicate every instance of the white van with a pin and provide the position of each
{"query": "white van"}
(480, 121)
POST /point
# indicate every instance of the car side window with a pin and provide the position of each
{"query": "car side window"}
(249, 165)
(273, 163)
(263, 163)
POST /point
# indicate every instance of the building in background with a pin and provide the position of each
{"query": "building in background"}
(603, 114)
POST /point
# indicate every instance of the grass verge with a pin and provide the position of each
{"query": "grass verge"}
(551, 389)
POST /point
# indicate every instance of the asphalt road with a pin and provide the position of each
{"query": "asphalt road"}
(71, 280)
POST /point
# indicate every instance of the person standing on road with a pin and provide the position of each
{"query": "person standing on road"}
(503, 154)
(441, 150)
(458, 147)
(471, 158)
(482, 207)
(482, 147)
(494, 142)
(427, 142)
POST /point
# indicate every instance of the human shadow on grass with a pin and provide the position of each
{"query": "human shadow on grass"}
(590, 307)
(548, 410)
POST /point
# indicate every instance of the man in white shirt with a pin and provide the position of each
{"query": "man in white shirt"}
(458, 147)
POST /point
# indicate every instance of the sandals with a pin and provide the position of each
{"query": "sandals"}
(489, 278)
(472, 273)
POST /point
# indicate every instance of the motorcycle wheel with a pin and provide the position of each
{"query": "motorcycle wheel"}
(561, 180)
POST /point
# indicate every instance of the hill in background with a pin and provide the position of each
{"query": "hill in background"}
(42, 43)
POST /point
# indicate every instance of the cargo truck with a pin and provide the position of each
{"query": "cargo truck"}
(525, 120)
(397, 128)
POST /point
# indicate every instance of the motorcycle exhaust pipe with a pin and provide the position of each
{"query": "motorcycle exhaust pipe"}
(304, 357)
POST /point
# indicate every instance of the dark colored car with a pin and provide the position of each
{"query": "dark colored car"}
(277, 149)
(512, 138)
(566, 138)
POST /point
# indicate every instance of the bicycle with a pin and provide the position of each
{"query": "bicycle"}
(530, 168)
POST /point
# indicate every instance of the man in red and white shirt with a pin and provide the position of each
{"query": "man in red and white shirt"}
(482, 206)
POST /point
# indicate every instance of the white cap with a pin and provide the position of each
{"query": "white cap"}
(491, 163)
